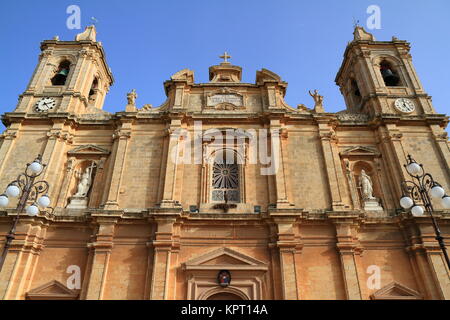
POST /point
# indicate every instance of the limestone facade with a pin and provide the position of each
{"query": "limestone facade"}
(292, 223)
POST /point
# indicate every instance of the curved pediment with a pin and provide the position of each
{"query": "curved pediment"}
(185, 74)
(265, 75)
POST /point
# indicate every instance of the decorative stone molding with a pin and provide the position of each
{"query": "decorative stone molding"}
(225, 99)
(396, 291)
(119, 134)
(8, 135)
(45, 54)
(441, 136)
(88, 150)
(353, 117)
(328, 136)
(247, 275)
(53, 290)
(360, 151)
(184, 75)
(393, 137)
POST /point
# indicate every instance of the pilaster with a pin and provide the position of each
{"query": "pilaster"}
(166, 247)
(327, 138)
(347, 246)
(172, 166)
(122, 137)
(21, 259)
(100, 252)
(279, 141)
(287, 249)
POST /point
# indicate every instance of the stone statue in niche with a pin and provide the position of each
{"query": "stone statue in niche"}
(85, 181)
(85, 177)
(366, 186)
(365, 183)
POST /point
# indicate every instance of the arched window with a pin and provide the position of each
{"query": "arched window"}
(390, 76)
(356, 94)
(225, 178)
(93, 90)
(61, 74)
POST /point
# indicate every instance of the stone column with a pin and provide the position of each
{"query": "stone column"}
(100, 252)
(164, 246)
(118, 165)
(347, 247)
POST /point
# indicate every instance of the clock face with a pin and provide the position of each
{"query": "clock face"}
(45, 104)
(404, 105)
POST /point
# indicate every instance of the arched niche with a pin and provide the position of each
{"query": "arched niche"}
(79, 169)
(368, 167)
(78, 159)
(357, 158)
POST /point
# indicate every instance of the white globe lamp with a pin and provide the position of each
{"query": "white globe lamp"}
(417, 211)
(12, 191)
(437, 192)
(32, 210)
(3, 200)
(413, 168)
(35, 167)
(44, 201)
(406, 202)
(446, 202)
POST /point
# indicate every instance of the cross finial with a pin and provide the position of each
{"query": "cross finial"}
(94, 20)
(225, 57)
(355, 23)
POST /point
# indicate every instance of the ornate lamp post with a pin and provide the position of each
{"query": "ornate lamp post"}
(422, 188)
(27, 189)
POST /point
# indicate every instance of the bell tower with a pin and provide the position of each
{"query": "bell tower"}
(71, 76)
(378, 77)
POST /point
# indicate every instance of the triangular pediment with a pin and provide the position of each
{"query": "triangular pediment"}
(396, 291)
(52, 290)
(88, 149)
(360, 151)
(225, 258)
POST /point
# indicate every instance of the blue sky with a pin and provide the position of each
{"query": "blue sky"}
(302, 41)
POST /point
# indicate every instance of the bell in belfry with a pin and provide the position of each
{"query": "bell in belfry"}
(390, 78)
(60, 78)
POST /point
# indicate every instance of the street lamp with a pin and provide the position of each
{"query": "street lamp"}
(28, 190)
(422, 188)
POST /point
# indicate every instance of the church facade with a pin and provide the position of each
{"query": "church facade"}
(224, 191)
